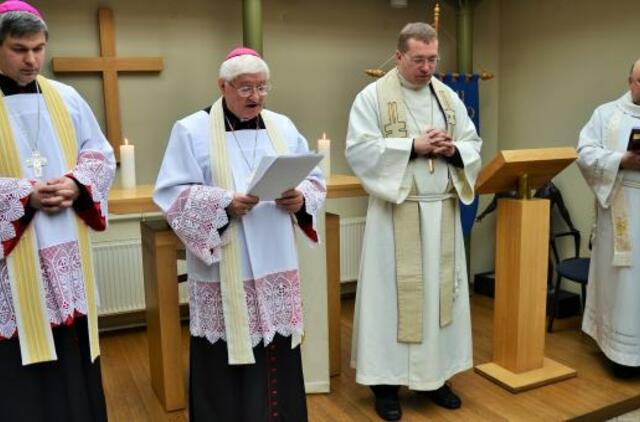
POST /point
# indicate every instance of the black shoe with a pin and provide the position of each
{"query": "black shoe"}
(444, 397)
(623, 371)
(388, 408)
(387, 403)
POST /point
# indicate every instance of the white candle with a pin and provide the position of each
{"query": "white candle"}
(324, 148)
(127, 165)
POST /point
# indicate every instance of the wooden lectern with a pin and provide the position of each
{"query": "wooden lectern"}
(522, 252)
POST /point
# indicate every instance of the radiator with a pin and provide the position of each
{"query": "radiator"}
(351, 232)
(118, 269)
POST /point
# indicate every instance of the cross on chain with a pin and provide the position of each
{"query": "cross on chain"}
(37, 161)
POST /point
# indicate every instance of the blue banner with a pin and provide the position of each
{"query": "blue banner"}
(467, 90)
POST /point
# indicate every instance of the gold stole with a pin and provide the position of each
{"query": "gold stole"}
(406, 222)
(619, 219)
(34, 329)
(234, 304)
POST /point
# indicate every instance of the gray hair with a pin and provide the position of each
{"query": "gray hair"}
(240, 65)
(633, 66)
(419, 31)
(19, 24)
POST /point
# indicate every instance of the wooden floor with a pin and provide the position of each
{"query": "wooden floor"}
(593, 395)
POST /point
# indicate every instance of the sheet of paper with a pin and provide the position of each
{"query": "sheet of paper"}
(277, 174)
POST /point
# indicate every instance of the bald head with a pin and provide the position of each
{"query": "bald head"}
(634, 82)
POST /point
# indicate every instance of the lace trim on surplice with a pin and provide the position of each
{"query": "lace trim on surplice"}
(274, 304)
(63, 286)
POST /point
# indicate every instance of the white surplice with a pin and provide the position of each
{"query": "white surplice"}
(612, 312)
(58, 249)
(383, 166)
(195, 208)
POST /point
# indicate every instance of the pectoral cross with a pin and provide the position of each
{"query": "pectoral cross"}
(37, 161)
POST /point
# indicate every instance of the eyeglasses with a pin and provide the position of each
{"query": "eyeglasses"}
(247, 90)
(421, 61)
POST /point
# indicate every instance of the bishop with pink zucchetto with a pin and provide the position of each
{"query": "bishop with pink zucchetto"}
(19, 6)
(241, 51)
(244, 283)
(56, 168)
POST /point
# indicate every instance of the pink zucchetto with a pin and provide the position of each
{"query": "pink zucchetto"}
(242, 51)
(18, 6)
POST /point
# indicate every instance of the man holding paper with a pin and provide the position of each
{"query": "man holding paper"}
(610, 163)
(244, 285)
(413, 146)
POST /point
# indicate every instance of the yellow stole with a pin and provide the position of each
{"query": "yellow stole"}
(34, 329)
(234, 304)
(406, 221)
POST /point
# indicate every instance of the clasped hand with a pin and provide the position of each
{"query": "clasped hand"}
(242, 204)
(54, 195)
(434, 142)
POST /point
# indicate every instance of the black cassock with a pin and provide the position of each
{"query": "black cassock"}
(65, 390)
(272, 389)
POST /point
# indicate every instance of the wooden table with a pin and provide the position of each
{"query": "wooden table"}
(132, 201)
(339, 186)
(159, 245)
(139, 199)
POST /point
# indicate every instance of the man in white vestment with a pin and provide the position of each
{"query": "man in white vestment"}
(611, 166)
(413, 146)
(244, 284)
(56, 168)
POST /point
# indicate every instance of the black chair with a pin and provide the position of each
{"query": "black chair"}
(575, 269)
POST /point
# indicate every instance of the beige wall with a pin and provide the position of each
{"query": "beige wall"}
(317, 51)
(554, 61)
(486, 57)
(558, 61)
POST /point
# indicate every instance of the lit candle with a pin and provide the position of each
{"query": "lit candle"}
(324, 148)
(127, 165)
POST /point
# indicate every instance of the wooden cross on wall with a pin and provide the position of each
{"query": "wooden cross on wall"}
(109, 65)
